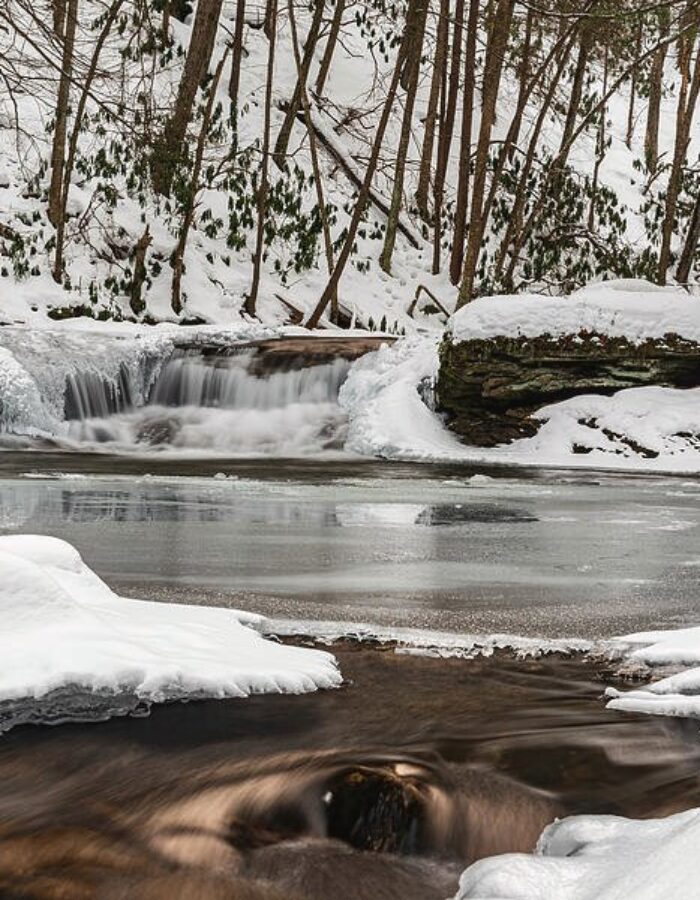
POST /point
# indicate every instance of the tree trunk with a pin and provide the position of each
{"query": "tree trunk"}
(656, 78)
(168, 152)
(687, 100)
(447, 124)
(325, 66)
(315, 165)
(136, 301)
(279, 156)
(462, 206)
(69, 163)
(495, 57)
(251, 300)
(600, 143)
(633, 92)
(236, 60)
(415, 30)
(690, 248)
(515, 220)
(59, 17)
(332, 286)
(426, 159)
(178, 258)
(58, 150)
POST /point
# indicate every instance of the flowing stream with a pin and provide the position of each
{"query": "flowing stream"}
(80, 392)
(429, 756)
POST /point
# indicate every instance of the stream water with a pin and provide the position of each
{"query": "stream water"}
(419, 764)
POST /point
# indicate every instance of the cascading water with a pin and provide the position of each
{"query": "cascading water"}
(81, 392)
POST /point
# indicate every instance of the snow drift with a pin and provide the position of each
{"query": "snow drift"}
(596, 858)
(626, 308)
(64, 630)
(678, 694)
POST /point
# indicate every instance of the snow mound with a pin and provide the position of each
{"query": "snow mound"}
(677, 694)
(63, 629)
(386, 397)
(596, 858)
(627, 308)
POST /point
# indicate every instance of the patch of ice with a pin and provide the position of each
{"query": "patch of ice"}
(64, 629)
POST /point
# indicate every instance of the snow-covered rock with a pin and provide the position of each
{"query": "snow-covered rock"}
(627, 308)
(64, 629)
(678, 694)
(597, 858)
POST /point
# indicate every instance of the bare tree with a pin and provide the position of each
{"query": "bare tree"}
(252, 297)
(285, 132)
(415, 30)
(168, 150)
(331, 43)
(361, 203)
(58, 149)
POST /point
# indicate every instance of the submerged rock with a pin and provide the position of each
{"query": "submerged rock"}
(491, 387)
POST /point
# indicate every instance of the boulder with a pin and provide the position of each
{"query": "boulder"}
(489, 388)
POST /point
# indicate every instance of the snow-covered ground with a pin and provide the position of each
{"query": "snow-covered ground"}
(597, 858)
(63, 629)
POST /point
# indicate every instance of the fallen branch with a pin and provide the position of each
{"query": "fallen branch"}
(421, 287)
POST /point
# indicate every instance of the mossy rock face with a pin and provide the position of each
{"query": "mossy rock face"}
(489, 389)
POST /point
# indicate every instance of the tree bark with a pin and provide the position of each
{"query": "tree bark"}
(168, 152)
(495, 58)
(431, 117)
(656, 78)
(687, 101)
(315, 165)
(59, 18)
(136, 300)
(251, 300)
(69, 163)
(58, 149)
(446, 130)
(236, 59)
(633, 92)
(178, 258)
(690, 248)
(329, 50)
(332, 285)
(282, 144)
(415, 30)
(462, 205)
(600, 143)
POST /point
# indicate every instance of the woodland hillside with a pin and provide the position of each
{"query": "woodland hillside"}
(321, 161)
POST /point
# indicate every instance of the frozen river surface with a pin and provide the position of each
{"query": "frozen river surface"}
(444, 548)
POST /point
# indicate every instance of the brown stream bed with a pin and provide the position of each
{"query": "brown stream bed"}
(386, 788)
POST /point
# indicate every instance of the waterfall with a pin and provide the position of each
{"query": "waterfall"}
(134, 394)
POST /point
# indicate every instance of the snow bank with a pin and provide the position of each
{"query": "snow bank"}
(64, 629)
(386, 413)
(677, 694)
(627, 308)
(596, 858)
(648, 428)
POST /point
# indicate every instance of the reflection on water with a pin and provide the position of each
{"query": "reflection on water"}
(554, 555)
(386, 788)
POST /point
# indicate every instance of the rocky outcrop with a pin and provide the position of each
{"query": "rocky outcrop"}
(290, 352)
(490, 388)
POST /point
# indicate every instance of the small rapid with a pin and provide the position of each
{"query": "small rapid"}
(129, 395)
